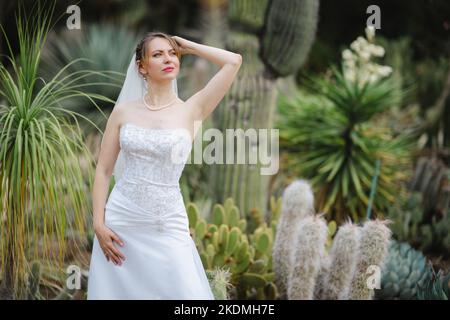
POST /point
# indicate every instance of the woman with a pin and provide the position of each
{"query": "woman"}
(142, 245)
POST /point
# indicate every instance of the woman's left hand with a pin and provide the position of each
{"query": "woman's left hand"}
(185, 45)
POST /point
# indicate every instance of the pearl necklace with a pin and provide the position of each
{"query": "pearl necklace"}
(159, 108)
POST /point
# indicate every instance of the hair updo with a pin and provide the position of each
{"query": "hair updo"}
(142, 47)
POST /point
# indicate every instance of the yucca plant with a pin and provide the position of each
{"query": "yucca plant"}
(105, 48)
(335, 141)
(43, 190)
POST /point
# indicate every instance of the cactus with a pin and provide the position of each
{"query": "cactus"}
(343, 257)
(375, 238)
(304, 269)
(307, 259)
(283, 17)
(255, 27)
(297, 203)
(404, 270)
(219, 281)
(227, 243)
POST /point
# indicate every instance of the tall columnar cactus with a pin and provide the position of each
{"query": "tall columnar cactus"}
(343, 258)
(375, 238)
(274, 38)
(297, 203)
(304, 269)
(307, 257)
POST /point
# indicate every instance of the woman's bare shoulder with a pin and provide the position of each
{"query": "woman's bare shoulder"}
(122, 110)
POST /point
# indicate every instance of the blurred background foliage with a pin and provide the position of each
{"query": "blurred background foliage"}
(412, 189)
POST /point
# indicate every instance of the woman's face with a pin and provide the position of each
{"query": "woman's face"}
(160, 55)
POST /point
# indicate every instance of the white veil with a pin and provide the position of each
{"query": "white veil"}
(134, 88)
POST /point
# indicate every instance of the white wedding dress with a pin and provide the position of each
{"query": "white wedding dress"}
(146, 210)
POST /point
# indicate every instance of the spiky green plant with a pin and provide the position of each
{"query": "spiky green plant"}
(42, 187)
(105, 48)
(333, 142)
(332, 134)
(435, 287)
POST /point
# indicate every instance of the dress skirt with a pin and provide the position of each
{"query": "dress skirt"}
(161, 258)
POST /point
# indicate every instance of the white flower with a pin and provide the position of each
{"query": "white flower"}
(355, 46)
(370, 33)
(365, 55)
(384, 71)
(357, 64)
(348, 55)
(377, 51)
(373, 78)
(350, 75)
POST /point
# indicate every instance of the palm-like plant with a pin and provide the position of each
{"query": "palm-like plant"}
(42, 187)
(335, 142)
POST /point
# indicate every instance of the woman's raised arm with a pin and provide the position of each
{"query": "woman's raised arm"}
(206, 100)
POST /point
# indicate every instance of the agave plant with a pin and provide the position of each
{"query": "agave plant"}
(43, 190)
(104, 48)
(335, 141)
(435, 287)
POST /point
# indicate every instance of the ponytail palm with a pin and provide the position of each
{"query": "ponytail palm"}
(43, 190)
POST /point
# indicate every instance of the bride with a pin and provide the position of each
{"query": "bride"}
(142, 246)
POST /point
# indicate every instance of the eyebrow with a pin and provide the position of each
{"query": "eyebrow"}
(160, 50)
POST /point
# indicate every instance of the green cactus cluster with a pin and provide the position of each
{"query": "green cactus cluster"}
(226, 242)
(405, 270)
(413, 225)
(308, 265)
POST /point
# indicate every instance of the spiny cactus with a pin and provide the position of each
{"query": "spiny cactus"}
(375, 238)
(297, 203)
(303, 267)
(307, 260)
(219, 281)
(290, 28)
(260, 30)
(343, 257)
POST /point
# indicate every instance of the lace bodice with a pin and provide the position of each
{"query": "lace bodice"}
(154, 159)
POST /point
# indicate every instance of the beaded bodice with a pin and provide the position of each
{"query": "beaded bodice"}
(154, 159)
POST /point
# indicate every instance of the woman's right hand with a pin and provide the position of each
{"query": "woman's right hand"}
(106, 238)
